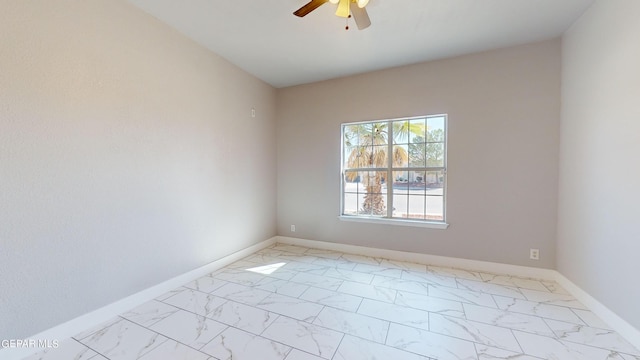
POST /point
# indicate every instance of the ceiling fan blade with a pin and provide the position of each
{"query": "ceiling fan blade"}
(360, 16)
(309, 7)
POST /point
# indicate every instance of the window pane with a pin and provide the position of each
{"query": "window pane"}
(365, 193)
(376, 134)
(355, 157)
(351, 136)
(417, 154)
(435, 154)
(401, 183)
(401, 132)
(417, 131)
(435, 208)
(434, 181)
(371, 193)
(352, 181)
(400, 155)
(350, 204)
(416, 206)
(435, 135)
(417, 184)
(435, 191)
(374, 204)
(435, 129)
(377, 156)
(400, 202)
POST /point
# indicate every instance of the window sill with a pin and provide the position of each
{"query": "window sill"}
(399, 222)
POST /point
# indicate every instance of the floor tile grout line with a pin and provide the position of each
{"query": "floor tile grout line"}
(360, 304)
(581, 319)
(274, 320)
(500, 326)
(90, 348)
(517, 341)
(226, 301)
(472, 341)
(418, 354)
(179, 342)
(227, 327)
(494, 301)
(296, 320)
(541, 303)
(558, 338)
(475, 347)
(510, 312)
(134, 323)
(157, 321)
(555, 335)
(169, 337)
(386, 336)
(335, 352)
(250, 334)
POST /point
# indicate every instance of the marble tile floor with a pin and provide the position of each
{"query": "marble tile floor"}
(292, 303)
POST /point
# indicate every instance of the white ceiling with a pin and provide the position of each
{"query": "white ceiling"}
(265, 39)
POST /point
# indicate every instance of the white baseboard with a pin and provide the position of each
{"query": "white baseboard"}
(484, 266)
(81, 323)
(621, 326)
(616, 323)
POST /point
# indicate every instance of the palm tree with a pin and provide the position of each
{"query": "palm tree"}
(368, 147)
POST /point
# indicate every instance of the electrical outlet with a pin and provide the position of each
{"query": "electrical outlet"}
(293, 228)
(534, 254)
(253, 113)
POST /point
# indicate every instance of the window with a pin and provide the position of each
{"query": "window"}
(395, 169)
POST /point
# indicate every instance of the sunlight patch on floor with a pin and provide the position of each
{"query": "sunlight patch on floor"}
(267, 269)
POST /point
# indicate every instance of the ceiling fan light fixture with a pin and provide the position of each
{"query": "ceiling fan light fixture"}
(346, 9)
(343, 8)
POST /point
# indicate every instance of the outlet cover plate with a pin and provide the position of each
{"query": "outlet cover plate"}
(534, 254)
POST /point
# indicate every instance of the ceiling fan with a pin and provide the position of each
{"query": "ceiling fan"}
(346, 9)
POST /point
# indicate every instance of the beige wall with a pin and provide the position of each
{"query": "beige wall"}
(127, 156)
(599, 201)
(504, 112)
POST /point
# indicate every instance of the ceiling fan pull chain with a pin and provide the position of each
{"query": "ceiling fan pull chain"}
(347, 21)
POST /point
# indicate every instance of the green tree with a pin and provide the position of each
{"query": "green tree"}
(417, 152)
(435, 148)
(431, 153)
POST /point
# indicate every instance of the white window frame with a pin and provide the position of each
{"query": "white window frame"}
(389, 219)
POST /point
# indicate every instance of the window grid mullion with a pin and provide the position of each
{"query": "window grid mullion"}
(390, 169)
(365, 169)
(439, 168)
